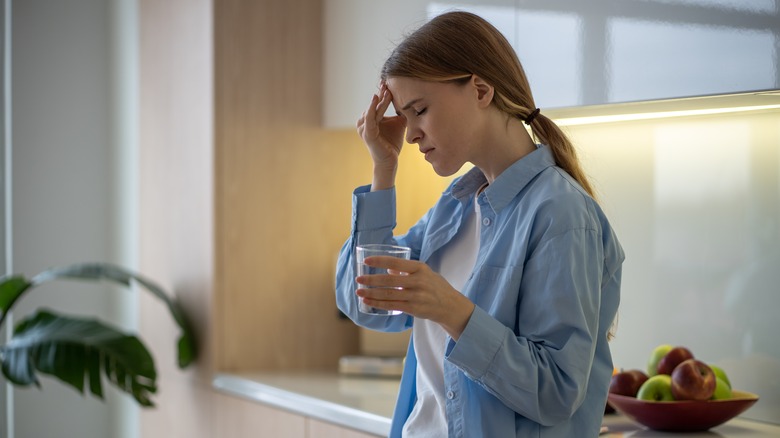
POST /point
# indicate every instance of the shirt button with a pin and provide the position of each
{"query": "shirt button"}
(450, 395)
(486, 221)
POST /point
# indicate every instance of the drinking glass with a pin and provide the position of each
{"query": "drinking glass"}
(370, 250)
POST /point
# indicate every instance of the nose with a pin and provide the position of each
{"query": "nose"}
(413, 134)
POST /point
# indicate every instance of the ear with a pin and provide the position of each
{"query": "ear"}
(484, 91)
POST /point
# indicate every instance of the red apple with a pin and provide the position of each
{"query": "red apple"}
(674, 357)
(627, 382)
(693, 380)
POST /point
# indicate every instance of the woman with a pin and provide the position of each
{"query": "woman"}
(514, 280)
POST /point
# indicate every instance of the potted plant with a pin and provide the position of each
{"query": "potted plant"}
(82, 351)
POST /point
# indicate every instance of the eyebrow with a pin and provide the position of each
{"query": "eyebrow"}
(409, 105)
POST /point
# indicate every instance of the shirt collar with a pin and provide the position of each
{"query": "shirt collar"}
(509, 183)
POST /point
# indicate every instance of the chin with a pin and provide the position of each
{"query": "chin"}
(445, 171)
(443, 174)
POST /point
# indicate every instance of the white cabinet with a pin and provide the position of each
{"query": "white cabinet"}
(322, 429)
(575, 53)
(609, 51)
(360, 34)
(236, 417)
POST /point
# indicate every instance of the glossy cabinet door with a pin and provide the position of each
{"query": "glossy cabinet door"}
(360, 34)
(575, 52)
(609, 51)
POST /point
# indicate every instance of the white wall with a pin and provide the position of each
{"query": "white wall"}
(73, 184)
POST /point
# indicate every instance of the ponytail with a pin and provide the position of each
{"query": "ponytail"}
(547, 132)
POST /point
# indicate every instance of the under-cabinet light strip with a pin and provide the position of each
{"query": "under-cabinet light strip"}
(573, 121)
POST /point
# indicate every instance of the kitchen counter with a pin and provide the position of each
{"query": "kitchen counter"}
(366, 404)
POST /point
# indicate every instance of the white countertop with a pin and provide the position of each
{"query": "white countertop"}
(366, 404)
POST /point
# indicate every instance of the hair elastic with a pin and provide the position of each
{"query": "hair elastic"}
(528, 120)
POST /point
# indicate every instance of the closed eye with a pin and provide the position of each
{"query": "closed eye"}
(420, 112)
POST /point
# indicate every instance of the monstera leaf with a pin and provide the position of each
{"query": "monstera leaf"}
(77, 351)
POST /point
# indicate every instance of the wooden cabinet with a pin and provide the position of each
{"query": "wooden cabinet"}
(575, 53)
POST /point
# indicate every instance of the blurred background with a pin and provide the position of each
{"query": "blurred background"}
(205, 143)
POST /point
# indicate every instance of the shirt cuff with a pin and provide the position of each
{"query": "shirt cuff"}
(373, 210)
(478, 345)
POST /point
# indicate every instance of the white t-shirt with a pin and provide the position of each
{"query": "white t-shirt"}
(428, 418)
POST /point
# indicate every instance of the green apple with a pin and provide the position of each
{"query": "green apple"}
(658, 353)
(656, 388)
(722, 389)
(719, 373)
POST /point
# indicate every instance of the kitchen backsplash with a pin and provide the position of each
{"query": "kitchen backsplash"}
(696, 204)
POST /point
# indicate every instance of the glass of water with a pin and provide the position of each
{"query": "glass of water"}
(370, 250)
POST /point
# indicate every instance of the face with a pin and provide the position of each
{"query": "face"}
(441, 118)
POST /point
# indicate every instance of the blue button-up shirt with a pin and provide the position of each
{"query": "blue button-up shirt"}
(533, 360)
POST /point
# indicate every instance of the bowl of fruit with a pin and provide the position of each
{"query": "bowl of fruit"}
(678, 393)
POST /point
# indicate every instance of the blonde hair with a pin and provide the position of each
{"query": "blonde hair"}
(453, 46)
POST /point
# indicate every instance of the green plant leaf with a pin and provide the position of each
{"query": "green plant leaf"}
(73, 350)
(11, 288)
(186, 345)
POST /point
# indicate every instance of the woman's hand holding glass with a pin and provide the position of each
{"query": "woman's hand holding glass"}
(421, 293)
(384, 137)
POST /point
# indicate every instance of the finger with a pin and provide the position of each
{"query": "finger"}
(382, 295)
(383, 104)
(394, 263)
(393, 123)
(394, 272)
(385, 281)
(371, 111)
(394, 278)
(385, 305)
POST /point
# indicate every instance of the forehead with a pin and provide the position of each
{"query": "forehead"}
(407, 90)
(397, 84)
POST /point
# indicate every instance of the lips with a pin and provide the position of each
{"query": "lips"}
(426, 151)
